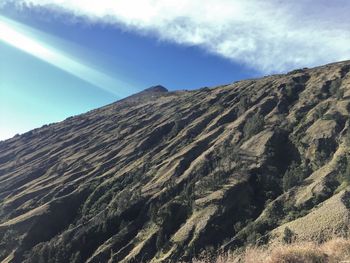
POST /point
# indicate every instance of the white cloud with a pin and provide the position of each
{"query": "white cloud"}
(270, 36)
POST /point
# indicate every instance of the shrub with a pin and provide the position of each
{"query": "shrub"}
(320, 111)
(243, 105)
(253, 125)
(238, 226)
(344, 167)
(322, 156)
(347, 136)
(291, 94)
(287, 235)
(294, 176)
(334, 88)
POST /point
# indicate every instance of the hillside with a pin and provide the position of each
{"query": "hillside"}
(160, 176)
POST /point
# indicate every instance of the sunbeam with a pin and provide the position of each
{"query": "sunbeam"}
(12, 34)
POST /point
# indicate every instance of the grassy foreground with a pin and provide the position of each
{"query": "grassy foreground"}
(335, 250)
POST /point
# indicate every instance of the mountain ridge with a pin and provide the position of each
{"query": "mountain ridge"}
(161, 175)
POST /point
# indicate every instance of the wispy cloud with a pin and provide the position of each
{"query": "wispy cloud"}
(270, 36)
(18, 36)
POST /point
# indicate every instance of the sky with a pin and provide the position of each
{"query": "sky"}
(60, 58)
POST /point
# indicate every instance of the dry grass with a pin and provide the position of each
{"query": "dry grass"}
(335, 250)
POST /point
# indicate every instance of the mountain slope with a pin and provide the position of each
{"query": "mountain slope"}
(160, 175)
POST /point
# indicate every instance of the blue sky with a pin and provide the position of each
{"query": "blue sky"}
(60, 58)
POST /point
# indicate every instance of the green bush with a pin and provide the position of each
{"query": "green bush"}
(253, 125)
(295, 174)
(334, 88)
(287, 235)
(321, 157)
(347, 136)
(344, 169)
(243, 105)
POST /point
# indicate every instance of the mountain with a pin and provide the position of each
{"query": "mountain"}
(160, 176)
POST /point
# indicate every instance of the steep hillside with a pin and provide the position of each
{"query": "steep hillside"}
(159, 176)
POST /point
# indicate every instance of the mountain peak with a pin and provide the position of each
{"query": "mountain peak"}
(156, 88)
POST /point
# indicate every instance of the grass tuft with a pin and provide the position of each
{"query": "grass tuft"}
(335, 250)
